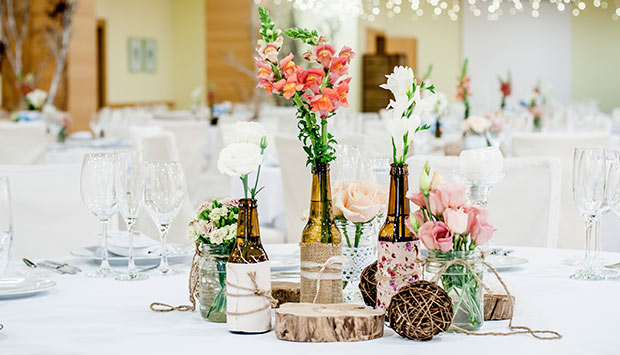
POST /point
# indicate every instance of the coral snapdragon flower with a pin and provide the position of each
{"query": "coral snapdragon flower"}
(288, 65)
(324, 54)
(348, 53)
(314, 79)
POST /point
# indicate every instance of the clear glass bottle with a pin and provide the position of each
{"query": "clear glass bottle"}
(212, 278)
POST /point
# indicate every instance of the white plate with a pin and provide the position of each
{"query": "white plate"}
(18, 286)
(177, 253)
(284, 262)
(503, 262)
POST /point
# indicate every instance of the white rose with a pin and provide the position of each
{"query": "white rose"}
(36, 98)
(239, 159)
(245, 132)
(400, 81)
(478, 124)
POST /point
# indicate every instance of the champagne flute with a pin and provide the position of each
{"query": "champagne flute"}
(99, 196)
(589, 176)
(129, 182)
(164, 194)
(6, 227)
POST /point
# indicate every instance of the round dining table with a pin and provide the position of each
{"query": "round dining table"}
(83, 315)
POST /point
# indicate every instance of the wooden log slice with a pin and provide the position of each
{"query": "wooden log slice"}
(317, 323)
(498, 307)
(285, 291)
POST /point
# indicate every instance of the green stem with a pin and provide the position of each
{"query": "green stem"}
(244, 180)
(358, 233)
(346, 235)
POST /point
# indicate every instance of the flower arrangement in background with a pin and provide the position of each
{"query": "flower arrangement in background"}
(57, 122)
(403, 113)
(477, 125)
(462, 89)
(243, 154)
(358, 202)
(505, 86)
(317, 92)
(535, 107)
(439, 109)
(35, 99)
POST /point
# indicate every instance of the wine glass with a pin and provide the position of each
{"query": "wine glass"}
(99, 196)
(589, 176)
(6, 227)
(129, 184)
(164, 194)
(96, 125)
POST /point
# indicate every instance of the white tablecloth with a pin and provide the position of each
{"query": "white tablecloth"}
(94, 316)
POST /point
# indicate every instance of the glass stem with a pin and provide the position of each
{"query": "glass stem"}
(105, 264)
(131, 266)
(596, 241)
(590, 253)
(163, 232)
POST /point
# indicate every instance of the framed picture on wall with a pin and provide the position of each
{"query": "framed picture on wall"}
(149, 58)
(135, 54)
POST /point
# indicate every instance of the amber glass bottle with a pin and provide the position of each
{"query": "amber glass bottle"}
(394, 229)
(248, 248)
(321, 226)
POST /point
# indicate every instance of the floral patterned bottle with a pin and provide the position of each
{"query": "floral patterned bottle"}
(398, 245)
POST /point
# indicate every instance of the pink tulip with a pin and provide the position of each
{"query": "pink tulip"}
(436, 235)
(456, 220)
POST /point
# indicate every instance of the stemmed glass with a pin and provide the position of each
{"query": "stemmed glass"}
(6, 227)
(129, 182)
(589, 176)
(99, 196)
(164, 194)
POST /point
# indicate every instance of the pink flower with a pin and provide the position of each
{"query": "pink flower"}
(323, 103)
(417, 198)
(359, 201)
(452, 195)
(347, 53)
(478, 225)
(456, 220)
(338, 67)
(436, 202)
(436, 235)
(288, 66)
(419, 217)
(324, 54)
(269, 51)
(342, 90)
(314, 79)
(289, 86)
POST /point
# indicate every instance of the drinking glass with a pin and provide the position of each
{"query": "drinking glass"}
(99, 196)
(129, 185)
(589, 176)
(6, 227)
(164, 194)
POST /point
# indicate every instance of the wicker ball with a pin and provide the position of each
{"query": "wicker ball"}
(420, 311)
(368, 285)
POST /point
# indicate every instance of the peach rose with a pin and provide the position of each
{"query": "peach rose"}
(359, 201)
(456, 220)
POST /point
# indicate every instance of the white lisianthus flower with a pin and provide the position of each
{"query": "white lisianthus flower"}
(400, 81)
(245, 132)
(231, 231)
(239, 159)
(36, 98)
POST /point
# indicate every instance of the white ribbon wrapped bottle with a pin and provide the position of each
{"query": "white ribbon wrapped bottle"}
(248, 311)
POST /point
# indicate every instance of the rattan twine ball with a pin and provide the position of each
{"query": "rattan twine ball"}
(420, 311)
(368, 285)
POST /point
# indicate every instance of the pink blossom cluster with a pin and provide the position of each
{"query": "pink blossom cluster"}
(446, 222)
(323, 89)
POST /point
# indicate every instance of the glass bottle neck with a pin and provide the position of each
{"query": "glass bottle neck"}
(247, 222)
(321, 197)
(398, 204)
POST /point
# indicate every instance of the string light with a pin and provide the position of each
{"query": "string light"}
(369, 10)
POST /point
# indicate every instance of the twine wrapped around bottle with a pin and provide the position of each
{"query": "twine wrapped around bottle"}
(248, 297)
(255, 292)
(194, 285)
(321, 273)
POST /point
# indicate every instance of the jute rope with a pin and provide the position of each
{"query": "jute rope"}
(334, 260)
(255, 292)
(514, 329)
(194, 285)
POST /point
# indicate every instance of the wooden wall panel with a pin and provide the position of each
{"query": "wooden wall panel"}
(228, 31)
(81, 70)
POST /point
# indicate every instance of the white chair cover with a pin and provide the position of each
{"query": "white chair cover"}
(562, 146)
(49, 218)
(22, 143)
(524, 205)
(296, 183)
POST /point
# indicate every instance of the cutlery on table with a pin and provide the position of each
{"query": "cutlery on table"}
(612, 266)
(57, 267)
